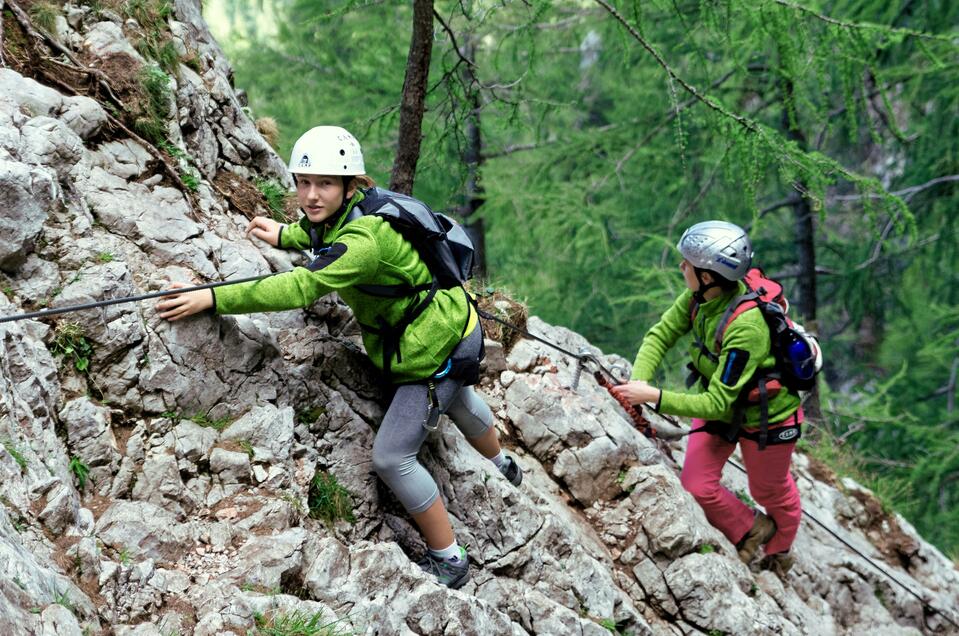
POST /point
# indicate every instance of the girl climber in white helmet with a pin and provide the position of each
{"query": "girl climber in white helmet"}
(430, 360)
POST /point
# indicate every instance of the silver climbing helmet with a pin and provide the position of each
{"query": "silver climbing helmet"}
(718, 246)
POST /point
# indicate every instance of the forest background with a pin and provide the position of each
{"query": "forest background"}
(578, 139)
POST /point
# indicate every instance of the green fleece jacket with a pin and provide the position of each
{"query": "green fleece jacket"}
(366, 251)
(745, 348)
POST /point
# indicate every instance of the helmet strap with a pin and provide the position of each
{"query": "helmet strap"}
(704, 287)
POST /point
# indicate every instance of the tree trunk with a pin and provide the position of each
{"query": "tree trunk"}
(805, 241)
(803, 216)
(414, 98)
(474, 194)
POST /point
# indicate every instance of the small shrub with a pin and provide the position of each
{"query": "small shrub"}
(151, 122)
(69, 340)
(16, 454)
(44, 15)
(80, 470)
(105, 257)
(310, 416)
(328, 500)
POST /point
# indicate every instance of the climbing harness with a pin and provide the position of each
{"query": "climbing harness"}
(43, 313)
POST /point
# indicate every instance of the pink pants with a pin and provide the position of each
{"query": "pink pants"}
(770, 484)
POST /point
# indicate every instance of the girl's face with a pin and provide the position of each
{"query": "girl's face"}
(689, 274)
(320, 196)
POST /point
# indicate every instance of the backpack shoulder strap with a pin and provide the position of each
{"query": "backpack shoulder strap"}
(738, 306)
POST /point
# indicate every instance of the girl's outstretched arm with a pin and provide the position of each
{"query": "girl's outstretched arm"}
(183, 305)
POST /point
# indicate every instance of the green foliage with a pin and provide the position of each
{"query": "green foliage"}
(203, 419)
(309, 416)
(44, 15)
(16, 454)
(70, 340)
(80, 470)
(124, 557)
(745, 498)
(297, 623)
(707, 548)
(276, 196)
(105, 257)
(328, 500)
(610, 624)
(154, 41)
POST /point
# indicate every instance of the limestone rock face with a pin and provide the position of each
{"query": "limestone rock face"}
(159, 478)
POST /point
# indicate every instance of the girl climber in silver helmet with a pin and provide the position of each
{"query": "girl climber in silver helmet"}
(716, 258)
(429, 361)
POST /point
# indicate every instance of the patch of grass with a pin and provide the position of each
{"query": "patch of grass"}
(298, 623)
(124, 556)
(203, 419)
(62, 598)
(276, 196)
(247, 447)
(610, 624)
(105, 257)
(8, 292)
(44, 15)
(19, 583)
(80, 470)
(190, 180)
(16, 454)
(745, 498)
(294, 502)
(172, 416)
(69, 340)
(707, 548)
(328, 500)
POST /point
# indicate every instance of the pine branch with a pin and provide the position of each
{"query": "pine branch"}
(456, 47)
(824, 163)
(906, 193)
(864, 25)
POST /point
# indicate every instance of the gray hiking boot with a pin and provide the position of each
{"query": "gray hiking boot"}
(512, 471)
(762, 531)
(453, 573)
(779, 563)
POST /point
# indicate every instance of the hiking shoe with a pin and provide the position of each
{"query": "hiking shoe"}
(453, 573)
(512, 471)
(762, 531)
(779, 563)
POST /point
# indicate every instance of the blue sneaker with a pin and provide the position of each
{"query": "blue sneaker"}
(453, 573)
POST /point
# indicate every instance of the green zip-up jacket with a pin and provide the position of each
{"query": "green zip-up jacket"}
(745, 347)
(366, 251)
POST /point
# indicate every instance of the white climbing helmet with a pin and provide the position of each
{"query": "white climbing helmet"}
(719, 247)
(327, 150)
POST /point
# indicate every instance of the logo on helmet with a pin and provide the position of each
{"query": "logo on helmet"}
(304, 161)
(726, 262)
(789, 433)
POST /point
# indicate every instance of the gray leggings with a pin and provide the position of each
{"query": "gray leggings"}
(402, 432)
